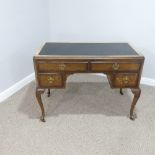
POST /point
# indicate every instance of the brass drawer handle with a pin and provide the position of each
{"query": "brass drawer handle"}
(115, 66)
(126, 80)
(62, 67)
(123, 80)
(50, 80)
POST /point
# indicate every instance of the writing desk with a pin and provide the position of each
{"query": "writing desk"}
(119, 61)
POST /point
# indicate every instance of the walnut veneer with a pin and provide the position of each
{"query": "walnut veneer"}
(122, 65)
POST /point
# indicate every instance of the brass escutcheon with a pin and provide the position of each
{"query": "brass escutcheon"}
(62, 66)
(115, 66)
(50, 80)
(126, 80)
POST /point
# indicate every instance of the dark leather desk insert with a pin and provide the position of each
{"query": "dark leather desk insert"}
(119, 61)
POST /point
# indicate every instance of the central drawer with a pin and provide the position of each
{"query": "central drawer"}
(107, 67)
(59, 66)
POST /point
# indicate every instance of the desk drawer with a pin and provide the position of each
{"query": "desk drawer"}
(99, 66)
(123, 80)
(52, 67)
(50, 80)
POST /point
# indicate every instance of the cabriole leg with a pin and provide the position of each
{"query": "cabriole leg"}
(39, 99)
(136, 93)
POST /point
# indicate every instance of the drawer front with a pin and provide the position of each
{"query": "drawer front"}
(52, 67)
(50, 80)
(125, 80)
(97, 66)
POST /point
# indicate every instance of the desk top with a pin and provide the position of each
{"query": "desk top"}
(89, 49)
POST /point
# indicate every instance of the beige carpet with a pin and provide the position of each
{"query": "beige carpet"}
(86, 118)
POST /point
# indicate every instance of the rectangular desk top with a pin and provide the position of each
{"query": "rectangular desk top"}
(87, 49)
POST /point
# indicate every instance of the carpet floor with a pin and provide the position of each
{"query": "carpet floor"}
(86, 118)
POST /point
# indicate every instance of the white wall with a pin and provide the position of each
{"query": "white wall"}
(24, 26)
(130, 21)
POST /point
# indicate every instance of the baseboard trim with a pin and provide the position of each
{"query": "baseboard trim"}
(148, 81)
(19, 85)
(16, 87)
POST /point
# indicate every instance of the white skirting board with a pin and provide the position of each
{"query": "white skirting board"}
(17, 86)
(148, 81)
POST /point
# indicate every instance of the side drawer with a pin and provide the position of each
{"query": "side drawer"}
(56, 67)
(123, 80)
(50, 80)
(100, 66)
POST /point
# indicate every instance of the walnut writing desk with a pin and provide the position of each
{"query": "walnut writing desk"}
(56, 61)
